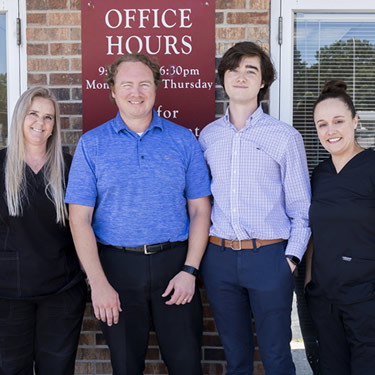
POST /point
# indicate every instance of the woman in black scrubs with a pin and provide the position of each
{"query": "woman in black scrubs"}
(341, 294)
(42, 289)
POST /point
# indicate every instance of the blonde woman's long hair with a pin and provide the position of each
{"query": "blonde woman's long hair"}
(15, 167)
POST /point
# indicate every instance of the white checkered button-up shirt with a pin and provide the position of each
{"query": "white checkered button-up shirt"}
(260, 181)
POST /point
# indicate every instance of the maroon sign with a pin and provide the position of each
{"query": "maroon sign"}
(179, 34)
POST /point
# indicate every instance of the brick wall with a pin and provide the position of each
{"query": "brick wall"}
(54, 60)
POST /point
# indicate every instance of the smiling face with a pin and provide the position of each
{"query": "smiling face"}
(335, 126)
(39, 122)
(134, 91)
(242, 84)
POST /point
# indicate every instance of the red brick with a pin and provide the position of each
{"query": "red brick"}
(76, 93)
(241, 18)
(70, 137)
(260, 4)
(87, 339)
(76, 64)
(75, 33)
(153, 354)
(48, 64)
(68, 18)
(230, 4)
(76, 123)
(65, 79)
(258, 33)
(36, 79)
(47, 33)
(227, 33)
(219, 18)
(65, 124)
(75, 4)
(211, 340)
(70, 108)
(36, 19)
(90, 325)
(219, 108)
(37, 49)
(46, 4)
(213, 369)
(209, 325)
(93, 353)
(259, 369)
(155, 368)
(103, 368)
(84, 368)
(65, 49)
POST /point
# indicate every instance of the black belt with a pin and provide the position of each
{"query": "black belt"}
(148, 249)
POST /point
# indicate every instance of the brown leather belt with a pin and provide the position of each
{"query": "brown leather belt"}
(243, 244)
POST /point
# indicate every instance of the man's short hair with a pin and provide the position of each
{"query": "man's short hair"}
(133, 57)
(233, 57)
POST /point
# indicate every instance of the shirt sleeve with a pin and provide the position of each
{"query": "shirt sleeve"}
(197, 176)
(297, 196)
(82, 187)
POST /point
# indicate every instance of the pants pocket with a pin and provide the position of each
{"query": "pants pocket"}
(9, 274)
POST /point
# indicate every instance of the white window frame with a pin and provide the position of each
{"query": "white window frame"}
(281, 92)
(16, 54)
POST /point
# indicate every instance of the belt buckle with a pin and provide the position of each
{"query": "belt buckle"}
(145, 251)
(231, 245)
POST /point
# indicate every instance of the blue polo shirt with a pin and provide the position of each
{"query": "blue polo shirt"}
(138, 184)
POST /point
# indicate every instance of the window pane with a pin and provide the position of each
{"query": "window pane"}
(333, 46)
(3, 83)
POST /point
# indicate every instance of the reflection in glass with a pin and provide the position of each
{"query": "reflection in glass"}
(3, 83)
(333, 46)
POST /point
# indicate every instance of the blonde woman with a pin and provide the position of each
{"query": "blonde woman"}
(42, 289)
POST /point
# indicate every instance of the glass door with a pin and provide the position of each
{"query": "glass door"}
(12, 60)
(317, 41)
(3, 82)
(333, 46)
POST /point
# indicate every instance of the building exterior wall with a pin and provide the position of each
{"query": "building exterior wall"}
(54, 59)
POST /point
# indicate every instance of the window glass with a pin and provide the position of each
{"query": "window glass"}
(3, 83)
(333, 46)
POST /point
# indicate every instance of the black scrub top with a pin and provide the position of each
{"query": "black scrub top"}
(342, 219)
(37, 255)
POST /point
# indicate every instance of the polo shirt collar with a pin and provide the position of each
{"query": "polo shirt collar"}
(119, 125)
(251, 121)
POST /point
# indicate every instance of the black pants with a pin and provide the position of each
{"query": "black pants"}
(346, 335)
(140, 281)
(43, 333)
(308, 330)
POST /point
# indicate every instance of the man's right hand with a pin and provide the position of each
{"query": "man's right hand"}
(106, 302)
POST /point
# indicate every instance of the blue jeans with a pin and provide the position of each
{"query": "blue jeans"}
(255, 282)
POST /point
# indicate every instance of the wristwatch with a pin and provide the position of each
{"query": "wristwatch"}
(190, 269)
(293, 259)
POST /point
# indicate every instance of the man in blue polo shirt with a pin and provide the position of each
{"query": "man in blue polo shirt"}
(138, 188)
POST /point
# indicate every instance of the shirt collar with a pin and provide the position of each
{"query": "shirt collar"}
(251, 121)
(119, 124)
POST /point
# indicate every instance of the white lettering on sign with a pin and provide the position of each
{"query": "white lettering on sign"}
(166, 44)
(136, 18)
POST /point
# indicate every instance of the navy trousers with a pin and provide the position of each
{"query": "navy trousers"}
(256, 282)
(140, 281)
(346, 335)
(41, 334)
